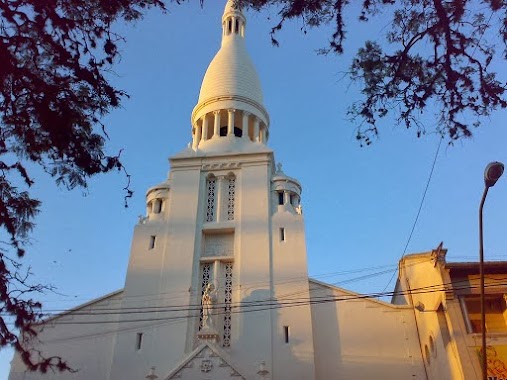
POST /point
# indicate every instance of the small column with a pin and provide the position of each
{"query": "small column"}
(230, 122)
(216, 127)
(216, 273)
(194, 138)
(204, 128)
(219, 196)
(245, 125)
(263, 135)
(256, 130)
(198, 134)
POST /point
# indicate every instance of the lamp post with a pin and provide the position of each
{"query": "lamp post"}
(492, 173)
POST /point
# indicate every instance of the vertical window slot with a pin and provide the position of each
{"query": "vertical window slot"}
(286, 334)
(158, 206)
(282, 234)
(153, 238)
(280, 197)
(210, 201)
(139, 341)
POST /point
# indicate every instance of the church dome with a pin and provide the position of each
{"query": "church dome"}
(230, 101)
(231, 73)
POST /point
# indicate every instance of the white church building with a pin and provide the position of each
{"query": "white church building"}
(217, 284)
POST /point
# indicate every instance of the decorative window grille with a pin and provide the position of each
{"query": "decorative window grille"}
(206, 272)
(210, 203)
(230, 200)
(227, 302)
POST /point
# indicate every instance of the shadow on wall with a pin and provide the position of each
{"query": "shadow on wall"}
(326, 333)
(254, 321)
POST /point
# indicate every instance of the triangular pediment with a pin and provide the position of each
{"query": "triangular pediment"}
(206, 362)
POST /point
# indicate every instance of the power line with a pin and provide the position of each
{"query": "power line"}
(420, 207)
(288, 280)
(264, 283)
(268, 304)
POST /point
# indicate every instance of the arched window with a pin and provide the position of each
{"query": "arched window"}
(231, 193)
(210, 198)
(280, 197)
(157, 208)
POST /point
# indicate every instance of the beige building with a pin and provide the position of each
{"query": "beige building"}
(217, 284)
(446, 303)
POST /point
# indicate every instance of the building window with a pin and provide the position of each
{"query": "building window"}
(230, 198)
(495, 311)
(280, 197)
(227, 302)
(158, 206)
(444, 328)
(433, 348)
(210, 201)
(282, 234)
(139, 341)
(286, 334)
(427, 354)
(152, 241)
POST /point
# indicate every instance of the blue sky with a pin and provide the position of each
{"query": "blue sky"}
(359, 203)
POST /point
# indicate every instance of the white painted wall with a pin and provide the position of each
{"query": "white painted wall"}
(86, 347)
(293, 359)
(363, 338)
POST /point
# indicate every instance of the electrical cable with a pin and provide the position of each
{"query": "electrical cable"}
(420, 207)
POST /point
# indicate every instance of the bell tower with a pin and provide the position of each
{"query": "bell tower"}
(221, 249)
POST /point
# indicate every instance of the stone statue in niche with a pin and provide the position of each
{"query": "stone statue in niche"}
(209, 297)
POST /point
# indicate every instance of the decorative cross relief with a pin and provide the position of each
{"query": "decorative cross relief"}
(206, 365)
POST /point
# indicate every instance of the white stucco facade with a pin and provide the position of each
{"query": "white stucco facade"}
(227, 224)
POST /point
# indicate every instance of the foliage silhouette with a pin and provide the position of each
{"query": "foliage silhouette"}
(436, 54)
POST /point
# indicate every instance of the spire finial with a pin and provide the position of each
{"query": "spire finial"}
(232, 6)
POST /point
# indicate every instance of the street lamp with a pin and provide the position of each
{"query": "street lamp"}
(492, 173)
